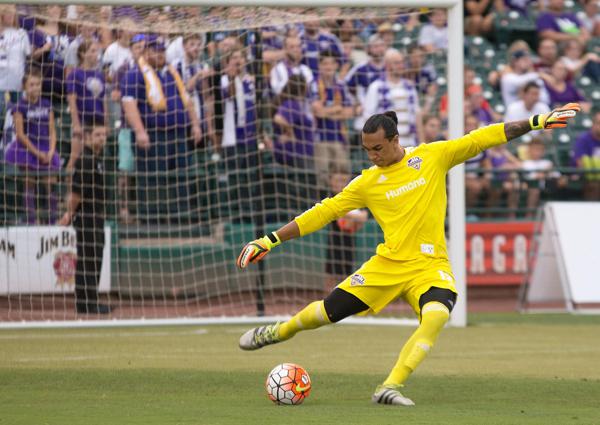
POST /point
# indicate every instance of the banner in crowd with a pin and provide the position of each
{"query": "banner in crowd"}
(42, 260)
(497, 252)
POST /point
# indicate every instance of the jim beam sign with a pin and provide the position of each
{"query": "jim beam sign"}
(43, 259)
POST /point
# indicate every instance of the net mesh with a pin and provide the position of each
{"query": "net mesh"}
(147, 145)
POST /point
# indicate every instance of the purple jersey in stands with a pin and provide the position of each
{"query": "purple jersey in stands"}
(569, 94)
(312, 47)
(88, 86)
(330, 130)
(587, 145)
(292, 152)
(51, 62)
(173, 117)
(36, 124)
(565, 22)
(361, 76)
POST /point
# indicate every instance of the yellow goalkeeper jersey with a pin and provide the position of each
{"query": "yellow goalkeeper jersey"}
(408, 199)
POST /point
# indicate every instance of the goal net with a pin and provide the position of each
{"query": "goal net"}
(142, 147)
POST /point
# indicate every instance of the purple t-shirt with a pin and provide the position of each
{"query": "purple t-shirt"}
(565, 22)
(569, 94)
(174, 117)
(88, 85)
(361, 76)
(51, 62)
(294, 152)
(36, 121)
(330, 130)
(312, 48)
(587, 145)
(36, 124)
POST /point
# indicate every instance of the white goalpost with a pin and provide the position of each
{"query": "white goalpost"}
(174, 261)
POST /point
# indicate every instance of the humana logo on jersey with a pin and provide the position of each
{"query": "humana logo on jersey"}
(390, 194)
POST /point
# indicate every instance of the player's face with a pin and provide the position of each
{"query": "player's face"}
(381, 151)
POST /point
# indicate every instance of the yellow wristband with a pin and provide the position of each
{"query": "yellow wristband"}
(536, 123)
(271, 240)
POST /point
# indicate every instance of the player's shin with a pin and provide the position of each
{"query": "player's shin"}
(434, 316)
(310, 317)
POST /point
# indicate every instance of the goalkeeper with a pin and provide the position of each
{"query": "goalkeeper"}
(406, 193)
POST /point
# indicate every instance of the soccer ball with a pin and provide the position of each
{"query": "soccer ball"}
(288, 383)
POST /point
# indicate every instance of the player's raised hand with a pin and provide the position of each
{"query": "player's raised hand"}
(557, 118)
(254, 251)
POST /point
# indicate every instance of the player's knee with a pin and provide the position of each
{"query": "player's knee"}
(441, 295)
(341, 304)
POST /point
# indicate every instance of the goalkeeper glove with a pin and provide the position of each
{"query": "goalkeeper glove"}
(557, 118)
(254, 251)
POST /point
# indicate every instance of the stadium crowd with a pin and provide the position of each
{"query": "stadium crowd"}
(191, 111)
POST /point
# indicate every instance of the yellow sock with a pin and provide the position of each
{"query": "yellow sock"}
(310, 317)
(434, 316)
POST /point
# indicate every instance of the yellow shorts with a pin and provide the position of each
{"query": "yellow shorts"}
(380, 281)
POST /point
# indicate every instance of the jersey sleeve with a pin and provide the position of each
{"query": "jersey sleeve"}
(330, 209)
(456, 151)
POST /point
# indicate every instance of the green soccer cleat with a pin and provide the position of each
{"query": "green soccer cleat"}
(389, 394)
(259, 337)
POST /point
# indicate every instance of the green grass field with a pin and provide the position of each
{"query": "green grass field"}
(504, 369)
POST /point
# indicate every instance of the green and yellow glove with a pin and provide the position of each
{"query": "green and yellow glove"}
(254, 251)
(557, 118)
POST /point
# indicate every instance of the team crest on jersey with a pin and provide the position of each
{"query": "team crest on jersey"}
(415, 162)
(357, 279)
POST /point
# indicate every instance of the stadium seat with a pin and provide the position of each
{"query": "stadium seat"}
(513, 26)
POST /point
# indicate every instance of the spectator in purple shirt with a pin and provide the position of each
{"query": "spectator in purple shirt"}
(559, 25)
(86, 95)
(35, 145)
(293, 127)
(160, 113)
(294, 133)
(586, 156)
(316, 40)
(360, 77)
(332, 106)
(562, 91)
(49, 43)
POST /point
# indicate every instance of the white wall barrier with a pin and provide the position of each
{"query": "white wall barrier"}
(567, 260)
(42, 259)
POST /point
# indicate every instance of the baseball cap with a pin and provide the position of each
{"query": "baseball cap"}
(156, 42)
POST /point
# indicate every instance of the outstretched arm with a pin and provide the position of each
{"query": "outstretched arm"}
(310, 221)
(456, 151)
(515, 129)
(557, 118)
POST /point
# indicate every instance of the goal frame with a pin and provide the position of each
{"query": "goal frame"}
(456, 213)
